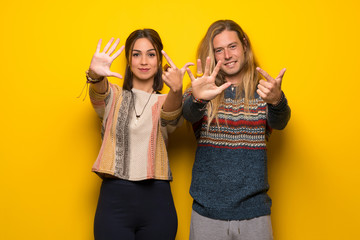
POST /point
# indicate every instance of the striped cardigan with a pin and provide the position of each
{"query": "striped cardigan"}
(113, 160)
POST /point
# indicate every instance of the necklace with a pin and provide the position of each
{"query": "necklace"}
(133, 96)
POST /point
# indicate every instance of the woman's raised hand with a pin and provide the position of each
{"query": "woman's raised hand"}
(204, 87)
(102, 60)
(172, 76)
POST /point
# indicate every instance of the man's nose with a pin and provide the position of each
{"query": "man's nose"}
(227, 54)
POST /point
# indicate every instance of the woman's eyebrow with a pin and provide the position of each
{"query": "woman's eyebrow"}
(152, 49)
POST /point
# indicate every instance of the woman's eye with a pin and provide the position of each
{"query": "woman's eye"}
(135, 55)
(152, 55)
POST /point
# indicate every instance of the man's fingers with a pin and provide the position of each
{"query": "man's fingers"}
(265, 74)
(199, 70)
(192, 78)
(217, 69)
(224, 86)
(207, 66)
(281, 74)
(261, 94)
(265, 84)
(263, 89)
(168, 59)
(108, 45)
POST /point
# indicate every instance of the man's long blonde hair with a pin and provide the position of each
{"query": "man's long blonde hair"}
(247, 87)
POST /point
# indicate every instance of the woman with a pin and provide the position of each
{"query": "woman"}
(135, 199)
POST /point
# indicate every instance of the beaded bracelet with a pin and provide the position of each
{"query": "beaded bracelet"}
(197, 100)
(91, 80)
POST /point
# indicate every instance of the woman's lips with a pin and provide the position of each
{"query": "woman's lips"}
(144, 69)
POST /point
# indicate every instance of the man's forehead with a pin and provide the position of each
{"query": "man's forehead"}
(225, 38)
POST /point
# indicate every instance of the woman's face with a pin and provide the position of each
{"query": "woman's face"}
(144, 60)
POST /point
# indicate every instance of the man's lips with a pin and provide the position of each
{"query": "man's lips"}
(230, 64)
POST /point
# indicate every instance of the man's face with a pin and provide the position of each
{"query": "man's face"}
(228, 49)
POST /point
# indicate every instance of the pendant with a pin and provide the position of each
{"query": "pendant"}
(137, 120)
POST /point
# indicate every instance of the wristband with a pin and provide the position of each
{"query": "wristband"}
(91, 80)
(197, 100)
(280, 100)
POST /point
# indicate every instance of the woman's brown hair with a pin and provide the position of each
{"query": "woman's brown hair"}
(155, 40)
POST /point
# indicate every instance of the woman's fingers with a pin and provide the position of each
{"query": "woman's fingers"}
(98, 46)
(107, 46)
(112, 49)
(168, 59)
(192, 78)
(118, 52)
(115, 74)
(187, 65)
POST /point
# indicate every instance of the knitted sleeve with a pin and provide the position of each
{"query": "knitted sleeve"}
(171, 120)
(279, 115)
(192, 111)
(98, 100)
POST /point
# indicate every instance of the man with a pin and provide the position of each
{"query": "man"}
(233, 112)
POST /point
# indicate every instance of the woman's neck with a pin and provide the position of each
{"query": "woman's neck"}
(144, 85)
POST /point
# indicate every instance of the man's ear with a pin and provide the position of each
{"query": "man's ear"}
(245, 44)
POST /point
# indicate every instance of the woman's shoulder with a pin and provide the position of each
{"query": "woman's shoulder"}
(115, 87)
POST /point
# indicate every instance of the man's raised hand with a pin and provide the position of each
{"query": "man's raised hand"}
(204, 87)
(270, 90)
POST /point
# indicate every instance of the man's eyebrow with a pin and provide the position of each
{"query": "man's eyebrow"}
(227, 45)
(232, 43)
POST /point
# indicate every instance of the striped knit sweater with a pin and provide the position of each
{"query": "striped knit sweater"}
(229, 178)
(133, 149)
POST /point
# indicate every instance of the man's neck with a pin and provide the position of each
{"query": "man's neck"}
(234, 79)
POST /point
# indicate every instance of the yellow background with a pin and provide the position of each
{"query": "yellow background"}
(50, 138)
